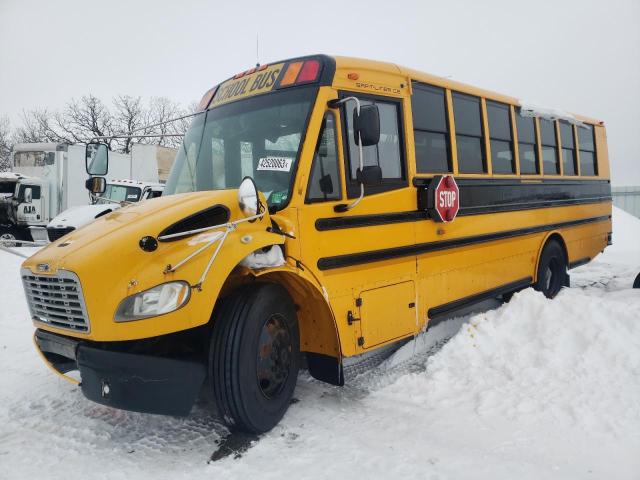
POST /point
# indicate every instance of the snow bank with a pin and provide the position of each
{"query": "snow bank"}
(544, 388)
(534, 389)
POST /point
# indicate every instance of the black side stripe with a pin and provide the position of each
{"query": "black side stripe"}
(340, 261)
(441, 310)
(532, 205)
(338, 223)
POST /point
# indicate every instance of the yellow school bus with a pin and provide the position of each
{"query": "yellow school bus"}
(319, 208)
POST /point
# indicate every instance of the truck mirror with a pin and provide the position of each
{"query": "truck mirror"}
(28, 195)
(97, 158)
(366, 126)
(50, 158)
(96, 185)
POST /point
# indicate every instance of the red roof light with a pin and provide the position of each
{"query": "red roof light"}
(309, 72)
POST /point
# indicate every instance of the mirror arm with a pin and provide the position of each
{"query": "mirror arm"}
(343, 207)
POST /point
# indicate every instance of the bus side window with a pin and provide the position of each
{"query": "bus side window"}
(550, 164)
(500, 138)
(588, 164)
(527, 144)
(324, 181)
(568, 149)
(430, 129)
(468, 122)
(387, 153)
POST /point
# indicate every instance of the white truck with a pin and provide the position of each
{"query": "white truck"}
(117, 193)
(49, 178)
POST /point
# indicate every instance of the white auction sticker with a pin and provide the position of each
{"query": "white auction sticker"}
(277, 164)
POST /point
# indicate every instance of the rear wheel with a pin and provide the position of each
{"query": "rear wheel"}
(552, 270)
(254, 357)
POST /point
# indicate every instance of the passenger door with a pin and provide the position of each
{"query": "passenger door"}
(352, 252)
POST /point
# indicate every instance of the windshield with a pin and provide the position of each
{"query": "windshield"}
(258, 137)
(119, 193)
(7, 187)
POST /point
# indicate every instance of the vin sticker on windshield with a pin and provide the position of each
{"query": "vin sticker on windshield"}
(275, 164)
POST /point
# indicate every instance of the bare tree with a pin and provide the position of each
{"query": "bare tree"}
(5, 144)
(130, 116)
(162, 110)
(88, 117)
(39, 126)
(84, 119)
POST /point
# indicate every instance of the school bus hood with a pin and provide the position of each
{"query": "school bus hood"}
(120, 231)
(110, 264)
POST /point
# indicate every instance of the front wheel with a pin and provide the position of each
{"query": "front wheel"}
(254, 356)
(552, 270)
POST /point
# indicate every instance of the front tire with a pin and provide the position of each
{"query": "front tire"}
(552, 270)
(254, 356)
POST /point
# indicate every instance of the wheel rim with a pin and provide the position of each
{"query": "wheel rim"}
(552, 276)
(273, 360)
(548, 275)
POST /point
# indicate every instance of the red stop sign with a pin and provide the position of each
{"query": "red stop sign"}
(446, 199)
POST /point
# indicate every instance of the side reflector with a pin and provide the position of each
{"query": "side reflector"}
(309, 72)
(353, 76)
(291, 74)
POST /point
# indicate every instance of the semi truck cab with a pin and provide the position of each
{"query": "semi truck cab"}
(23, 205)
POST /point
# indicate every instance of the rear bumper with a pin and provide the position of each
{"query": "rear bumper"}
(128, 381)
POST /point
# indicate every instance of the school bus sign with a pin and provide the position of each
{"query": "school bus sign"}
(256, 81)
(444, 201)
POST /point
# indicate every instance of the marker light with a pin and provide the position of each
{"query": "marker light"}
(158, 300)
(206, 99)
(291, 74)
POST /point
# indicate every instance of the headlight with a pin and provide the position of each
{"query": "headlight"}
(156, 301)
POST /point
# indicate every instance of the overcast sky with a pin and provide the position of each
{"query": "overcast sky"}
(579, 55)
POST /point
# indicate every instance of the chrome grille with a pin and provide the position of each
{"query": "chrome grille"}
(56, 300)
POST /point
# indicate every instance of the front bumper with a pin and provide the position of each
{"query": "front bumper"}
(128, 381)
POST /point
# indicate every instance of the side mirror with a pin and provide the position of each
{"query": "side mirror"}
(28, 195)
(369, 175)
(326, 184)
(96, 185)
(97, 159)
(366, 126)
(248, 199)
(50, 158)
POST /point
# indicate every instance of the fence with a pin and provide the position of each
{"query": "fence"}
(627, 198)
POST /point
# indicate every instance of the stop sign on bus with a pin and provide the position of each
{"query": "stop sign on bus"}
(445, 201)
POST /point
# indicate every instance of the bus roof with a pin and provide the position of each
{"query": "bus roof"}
(346, 63)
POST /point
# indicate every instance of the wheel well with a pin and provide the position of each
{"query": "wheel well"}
(555, 236)
(318, 332)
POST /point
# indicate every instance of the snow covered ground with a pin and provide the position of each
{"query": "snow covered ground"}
(533, 389)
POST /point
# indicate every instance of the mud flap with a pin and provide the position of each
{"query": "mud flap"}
(325, 368)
